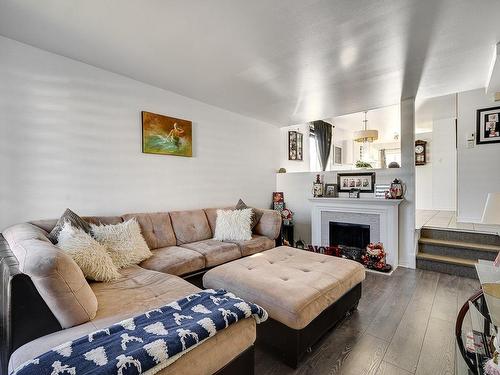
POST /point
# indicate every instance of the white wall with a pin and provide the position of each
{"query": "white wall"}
(478, 169)
(70, 136)
(343, 138)
(444, 165)
(436, 182)
(407, 243)
(424, 186)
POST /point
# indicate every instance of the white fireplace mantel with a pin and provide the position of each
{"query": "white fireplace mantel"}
(386, 209)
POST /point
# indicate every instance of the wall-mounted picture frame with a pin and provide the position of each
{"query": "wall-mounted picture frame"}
(331, 190)
(488, 125)
(166, 135)
(295, 145)
(337, 155)
(364, 182)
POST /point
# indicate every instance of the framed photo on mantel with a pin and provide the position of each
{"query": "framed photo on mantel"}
(364, 182)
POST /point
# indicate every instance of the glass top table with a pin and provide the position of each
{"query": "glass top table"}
(477, 322)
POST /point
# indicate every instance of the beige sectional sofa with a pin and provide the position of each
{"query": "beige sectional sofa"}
(182, 245)
(181, 241)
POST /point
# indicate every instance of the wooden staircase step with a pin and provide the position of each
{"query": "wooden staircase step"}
(459, 244)
(459, 235)
(447, 259)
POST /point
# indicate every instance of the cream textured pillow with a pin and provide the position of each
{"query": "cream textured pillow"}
(90, 255)
(124, 242)
(233, 225)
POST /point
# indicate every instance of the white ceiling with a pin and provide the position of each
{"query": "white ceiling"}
(281, 61)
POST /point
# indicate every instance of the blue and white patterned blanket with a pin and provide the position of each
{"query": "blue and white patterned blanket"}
(148, 342)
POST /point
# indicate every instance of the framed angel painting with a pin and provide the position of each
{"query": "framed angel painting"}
(166, 135)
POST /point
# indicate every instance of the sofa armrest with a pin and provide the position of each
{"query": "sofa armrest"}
(24, 316)
(269, 224)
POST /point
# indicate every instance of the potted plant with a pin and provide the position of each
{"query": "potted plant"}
(363, 165)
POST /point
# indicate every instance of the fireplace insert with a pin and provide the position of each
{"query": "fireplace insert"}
(348, 234)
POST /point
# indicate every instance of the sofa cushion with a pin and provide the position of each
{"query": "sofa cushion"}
(55, 275)
(68, 217)
(304, 283)
(190, 226)
(103, 220)
(215, 353)
(174, 260)
(256, 214)
(255, 245)
(123, 241)
(156, 228)
(140, 290)
(49, 224)
(269, 224)
(92, 257)
(215, 252)
(212, 216)
(233, 225)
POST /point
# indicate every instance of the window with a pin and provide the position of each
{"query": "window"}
(393, 154)
(337, 155)
(313, 155)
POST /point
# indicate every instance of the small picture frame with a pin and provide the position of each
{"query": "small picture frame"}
(317, 190)
(331, 190)
(381, 190)
(354, 193)
(488, 125)
(278, 201)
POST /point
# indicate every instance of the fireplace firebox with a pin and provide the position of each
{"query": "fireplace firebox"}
(349, 234)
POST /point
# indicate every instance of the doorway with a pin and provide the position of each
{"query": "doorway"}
(436, 175)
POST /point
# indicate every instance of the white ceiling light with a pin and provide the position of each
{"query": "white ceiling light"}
(348, 56)
(365, 135)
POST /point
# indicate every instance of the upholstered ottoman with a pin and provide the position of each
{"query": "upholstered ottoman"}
(305, 294)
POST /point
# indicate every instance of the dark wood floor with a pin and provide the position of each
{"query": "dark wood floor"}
(404, 325)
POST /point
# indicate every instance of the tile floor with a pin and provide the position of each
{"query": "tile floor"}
(448, 220)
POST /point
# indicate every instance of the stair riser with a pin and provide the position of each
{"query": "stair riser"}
(486, 239)
(456, 252)
(451, 269)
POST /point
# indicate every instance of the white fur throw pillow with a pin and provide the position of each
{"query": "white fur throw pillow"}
(90, 255)
(233, 225)
(124, 242)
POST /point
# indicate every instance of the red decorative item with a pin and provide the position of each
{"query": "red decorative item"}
(374, 257)
(327, 250)
(287, 216)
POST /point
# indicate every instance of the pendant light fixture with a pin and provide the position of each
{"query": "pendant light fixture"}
(365, 135)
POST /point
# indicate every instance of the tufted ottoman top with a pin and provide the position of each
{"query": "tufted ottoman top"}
(293, 285)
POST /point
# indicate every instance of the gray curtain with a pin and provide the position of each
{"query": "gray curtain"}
(323, 136)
